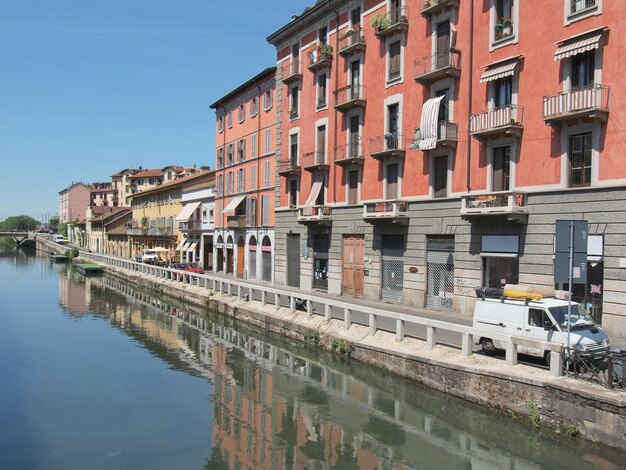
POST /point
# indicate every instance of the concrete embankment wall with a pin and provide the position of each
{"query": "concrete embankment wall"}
(599, 414)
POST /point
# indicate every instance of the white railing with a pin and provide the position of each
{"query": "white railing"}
(244, 290)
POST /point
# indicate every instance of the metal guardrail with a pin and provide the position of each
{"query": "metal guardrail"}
(246, 290)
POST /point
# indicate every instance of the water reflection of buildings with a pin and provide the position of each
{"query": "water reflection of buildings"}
(74, 293)
(284, 407)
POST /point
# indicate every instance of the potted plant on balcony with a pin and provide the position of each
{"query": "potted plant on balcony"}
(348, 32)
(293, 113)
(426, 4)
(325, 51)
(507, 27)
(380, 22)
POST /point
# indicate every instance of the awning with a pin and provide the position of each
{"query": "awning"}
(180, 244)
(185, 246)
(579, 44)
(315, 191)
(428, 123)
(234, 203)
(499, 70)
(187, 212)
(192, 247)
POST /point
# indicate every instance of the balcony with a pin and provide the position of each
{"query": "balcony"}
(314, 214)
(350, 97)
(349, 154)
(507, 120)
(155, 228)
(236, 221)
(289, 168)
(446, 63)
(313, 161)
(447, 135)
(385, 210)
(432, 7)
(320, 57)
(352, 41)
(509, 203)
(135, 231)
(591, 102)
(291, 71)
(392, 22)
(191, 226)
(387, 146)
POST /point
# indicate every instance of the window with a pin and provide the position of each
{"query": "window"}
(204, 215)
(230, 118)
(267, 100)
(294, 110)
(268, 175)
(580, 5)
(440, 180)
(501, 168)
(504, 14)
(241, 113)
(241, 180)
(230, 182)
(394, 61)
(220, 157)
(265, 210)
(497, 271)
(503, 92)
(321, 90)
(320, 156)
(253, 146)
(293, 149)
(253, 177)
(355, 17)
(230, 150)
(211, 215)
(391, 181)
(254, 106)
(220, 123)
(322, 35)
(580, 159)
(578, 9)
(583, 70)
(293, 193)
(353, 186)
(393, 116)
(268, 140)
(251, 212)
(538, 317)
(241, 150)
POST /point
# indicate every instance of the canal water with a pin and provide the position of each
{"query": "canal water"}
(95, 374)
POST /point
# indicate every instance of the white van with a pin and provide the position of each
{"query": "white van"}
(59, 239)
(543, 320)
(150, 255)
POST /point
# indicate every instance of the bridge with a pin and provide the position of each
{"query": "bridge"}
(21, 237)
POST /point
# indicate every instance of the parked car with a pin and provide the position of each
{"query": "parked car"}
(148, 255)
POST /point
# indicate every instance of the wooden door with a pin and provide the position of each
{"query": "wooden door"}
(392, 182)
(441, 177)
(443, 44)
(355, 139)
(241, 257)
(353, 265)
(353, 186)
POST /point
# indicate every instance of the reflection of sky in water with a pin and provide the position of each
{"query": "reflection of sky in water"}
(85, 396)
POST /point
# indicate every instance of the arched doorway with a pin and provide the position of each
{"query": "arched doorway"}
(219, 262)
(241, 256)
(229, 255)
(252, 245)
(266, 259)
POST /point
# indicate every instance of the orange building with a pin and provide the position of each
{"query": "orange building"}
(427, 148)
(244, 223)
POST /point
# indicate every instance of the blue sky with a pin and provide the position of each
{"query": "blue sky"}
(91, 87)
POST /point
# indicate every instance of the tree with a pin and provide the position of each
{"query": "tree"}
(19, 222)
(54, 221)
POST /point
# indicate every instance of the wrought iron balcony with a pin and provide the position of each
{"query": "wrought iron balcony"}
(352, 41)
(447, 135)
(434, 6)
(350, 97)
(446, 63)
(389, 145)
(315, 214)
(236, 221)
(191, 226)
(319, 58)
(507, 120)
(291, 71)
(590, 102)
(313, 161)
(495, 203)
(135, 231)
(392, 22)
(385, 210)
(349, 154)
(289, 167)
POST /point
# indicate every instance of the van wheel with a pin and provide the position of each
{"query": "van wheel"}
(488, 347)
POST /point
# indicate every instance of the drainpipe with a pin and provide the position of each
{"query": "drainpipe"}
(336, 71)
(469, 97)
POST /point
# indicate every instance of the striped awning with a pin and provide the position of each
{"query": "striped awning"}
(578, 44)
(498, 70)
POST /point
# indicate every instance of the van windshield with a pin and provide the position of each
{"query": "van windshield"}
(579, 319)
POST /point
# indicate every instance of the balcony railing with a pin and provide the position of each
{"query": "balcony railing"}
(433, 6)
(590, 102)
(505, 120)
(350, 97)
(155, 228)
(395, 20)
(447, 135)
(319, 58)
(581, 5)
(496, 203)
(352, 41)
(289, 167)
(385, 210)
(436, 66)
(349, 154)
(389, 145)
(291, 71)
(314, 214)
(236, 221)
(317, 160)
(192, 225)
